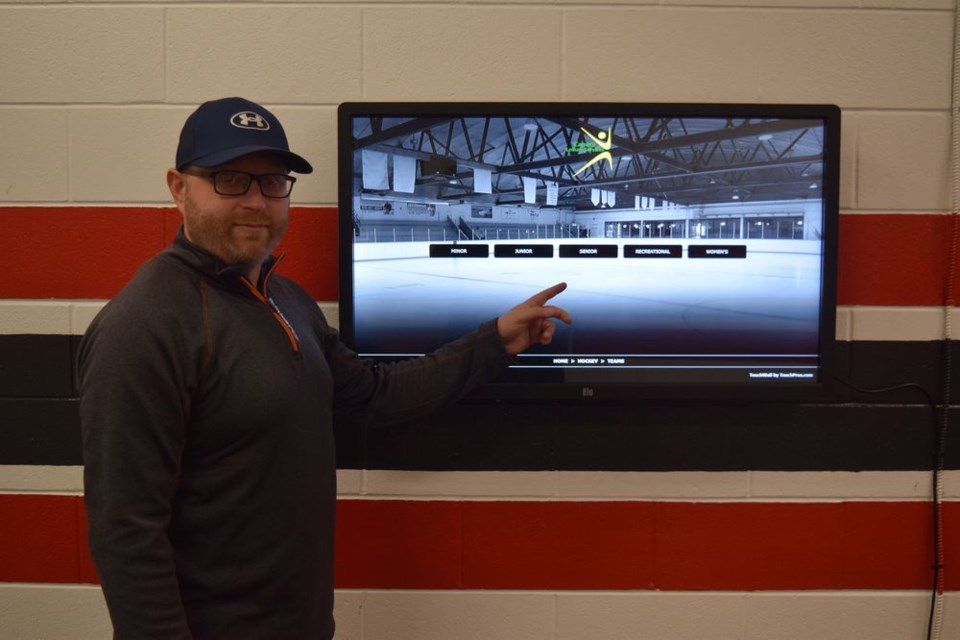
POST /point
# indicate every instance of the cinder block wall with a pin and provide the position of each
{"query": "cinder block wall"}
(563, 523)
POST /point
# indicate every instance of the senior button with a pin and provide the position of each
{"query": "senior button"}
(588, 251)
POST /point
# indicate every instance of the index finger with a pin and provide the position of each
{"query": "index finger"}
(541, 298)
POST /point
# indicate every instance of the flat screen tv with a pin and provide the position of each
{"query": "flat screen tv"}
(698, 241)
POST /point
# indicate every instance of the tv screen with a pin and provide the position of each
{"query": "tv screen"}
(698, 240)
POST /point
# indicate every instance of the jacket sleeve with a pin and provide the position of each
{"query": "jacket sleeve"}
(404, 390)
(133, 408)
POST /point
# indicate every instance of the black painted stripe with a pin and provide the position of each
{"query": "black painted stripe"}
(484, 437)
(44, 366)
(37, 366)
(40, 431)
(856, 431)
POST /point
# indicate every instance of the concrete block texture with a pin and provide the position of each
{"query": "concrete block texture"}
(53, 612)
(62, 55)
(887, 63)
(121, 154)
(855, 59)
(36, 170)
(665, 616)
(272, 54)
(463, 53)
(405, 615)
(903, 161)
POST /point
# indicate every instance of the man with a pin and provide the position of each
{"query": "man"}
(207, 388)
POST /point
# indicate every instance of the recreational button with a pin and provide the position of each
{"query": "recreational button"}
(717, 251)
(523, 250)
(652, 251)
(459, 251)
(588, 251)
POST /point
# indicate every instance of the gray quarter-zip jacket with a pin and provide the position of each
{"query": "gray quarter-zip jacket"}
(206, 408)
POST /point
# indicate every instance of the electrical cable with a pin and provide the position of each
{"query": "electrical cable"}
(939, 436)
(935, 620)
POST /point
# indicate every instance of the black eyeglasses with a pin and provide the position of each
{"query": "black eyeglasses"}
(237, 183)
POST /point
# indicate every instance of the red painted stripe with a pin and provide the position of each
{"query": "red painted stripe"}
(90, 252)
(78, 252)
(638, 545)
(672, 546)
(40, 538)
(894, 259)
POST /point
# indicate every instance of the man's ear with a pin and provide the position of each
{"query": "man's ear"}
(177, 186)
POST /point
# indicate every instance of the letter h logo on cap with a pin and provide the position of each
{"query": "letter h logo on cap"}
(250, 120)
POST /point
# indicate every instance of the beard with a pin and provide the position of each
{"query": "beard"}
(236, 236)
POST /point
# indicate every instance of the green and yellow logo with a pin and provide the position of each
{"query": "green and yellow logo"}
(600, 144)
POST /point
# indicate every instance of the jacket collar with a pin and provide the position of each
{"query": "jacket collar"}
(199, 259)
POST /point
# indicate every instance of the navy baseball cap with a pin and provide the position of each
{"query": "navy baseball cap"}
(223, 130)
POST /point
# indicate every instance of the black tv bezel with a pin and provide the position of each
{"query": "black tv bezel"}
(617, 392)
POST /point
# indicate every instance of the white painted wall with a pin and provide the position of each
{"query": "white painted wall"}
(92, 95)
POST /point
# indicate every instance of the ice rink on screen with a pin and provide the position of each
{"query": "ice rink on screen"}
(767, 301)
